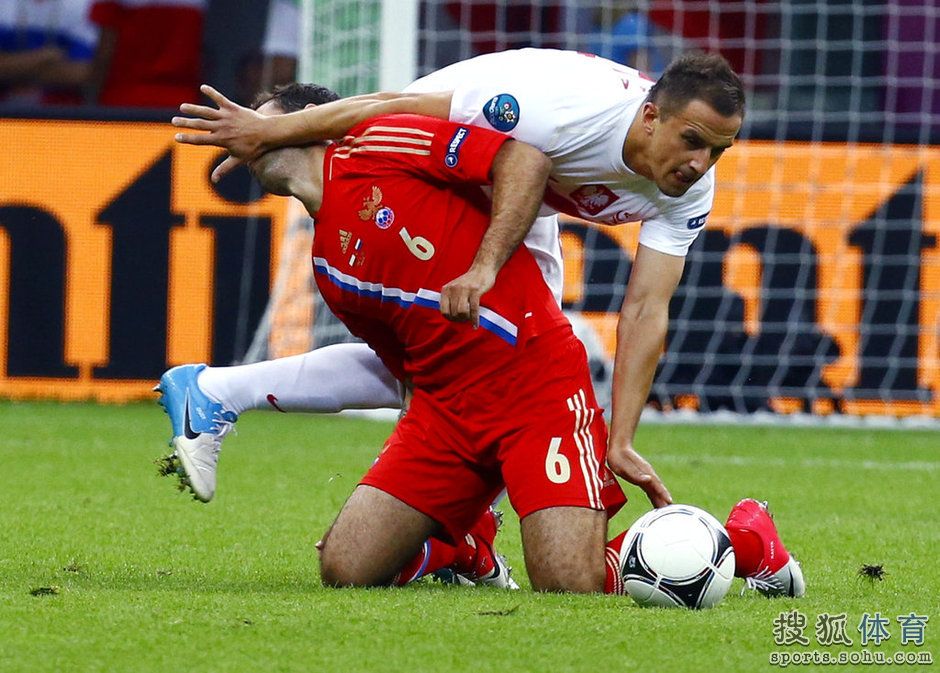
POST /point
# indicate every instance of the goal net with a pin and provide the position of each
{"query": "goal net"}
(816, 285)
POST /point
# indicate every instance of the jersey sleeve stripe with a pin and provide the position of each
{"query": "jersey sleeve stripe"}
(490, 320)
(344, 153)
(395, 139)
(404, 130)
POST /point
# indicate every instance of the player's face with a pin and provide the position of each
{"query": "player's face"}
(686, 144)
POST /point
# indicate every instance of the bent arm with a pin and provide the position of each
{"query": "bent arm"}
(333, 120)
(641, 332)
(27, 66)
(520, 173)
(68, 74)
(246, 134)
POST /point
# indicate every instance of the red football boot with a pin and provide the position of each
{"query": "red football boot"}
(760, 557)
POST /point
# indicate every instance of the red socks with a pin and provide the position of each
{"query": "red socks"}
(613, 584)
(434, 555)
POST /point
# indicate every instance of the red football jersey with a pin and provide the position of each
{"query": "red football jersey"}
(403, 214)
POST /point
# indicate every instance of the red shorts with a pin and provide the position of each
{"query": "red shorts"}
(536, 428)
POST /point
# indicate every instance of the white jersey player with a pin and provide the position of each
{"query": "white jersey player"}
(577, 109)
(622, 150)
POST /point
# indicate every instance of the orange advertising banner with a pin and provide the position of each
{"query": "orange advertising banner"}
(109, 221)
(119, 258)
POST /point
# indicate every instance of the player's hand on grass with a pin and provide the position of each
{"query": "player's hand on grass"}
(231, 126)
(630, 465)
(460, 298)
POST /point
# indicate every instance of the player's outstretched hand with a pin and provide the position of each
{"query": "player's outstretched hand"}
(230, 126)
(460, 298)
(633, 467)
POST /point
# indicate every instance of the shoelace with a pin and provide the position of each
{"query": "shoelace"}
(220, 428)
(763, 581)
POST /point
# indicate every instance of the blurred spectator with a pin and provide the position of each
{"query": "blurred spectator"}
(46, 49)
(728, 27)
(496, 26)
(281, 46)
(625, 34)
(150, 51)
(276, 62)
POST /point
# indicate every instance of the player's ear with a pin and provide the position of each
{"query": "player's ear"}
(309, 105)
(649, 115)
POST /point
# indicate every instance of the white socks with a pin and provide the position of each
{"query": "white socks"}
(325, 380)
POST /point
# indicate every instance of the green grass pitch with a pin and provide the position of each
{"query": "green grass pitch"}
(105, 567)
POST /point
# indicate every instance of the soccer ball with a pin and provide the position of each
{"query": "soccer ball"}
(677, 556)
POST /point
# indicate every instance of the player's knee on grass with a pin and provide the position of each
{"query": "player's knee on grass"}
(564, 549)
(373, 537)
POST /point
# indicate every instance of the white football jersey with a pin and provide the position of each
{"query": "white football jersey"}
(577, 109)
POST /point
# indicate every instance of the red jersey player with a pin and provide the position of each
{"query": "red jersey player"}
(398, 212)
(664, 127)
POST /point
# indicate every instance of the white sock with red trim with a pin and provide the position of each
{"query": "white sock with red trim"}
(325, 380)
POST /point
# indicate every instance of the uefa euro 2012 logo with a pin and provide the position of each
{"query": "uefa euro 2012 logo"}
(836, 630)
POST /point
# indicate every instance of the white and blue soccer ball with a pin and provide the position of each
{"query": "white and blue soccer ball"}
(677, 556)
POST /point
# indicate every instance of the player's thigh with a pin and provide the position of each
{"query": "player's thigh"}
(428, 463)
(564, 549)
(373, 536)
